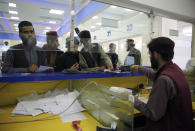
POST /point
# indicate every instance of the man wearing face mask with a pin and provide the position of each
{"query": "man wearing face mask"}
(51, 48)
(134, 56)
(169, 107)
(25, 57)
(93, 53)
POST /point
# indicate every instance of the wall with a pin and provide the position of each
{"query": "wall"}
(176, 9)
(182, 50)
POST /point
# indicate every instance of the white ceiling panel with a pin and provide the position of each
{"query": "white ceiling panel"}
(37, 12)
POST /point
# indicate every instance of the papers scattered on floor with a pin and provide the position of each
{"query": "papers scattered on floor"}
(55, 102)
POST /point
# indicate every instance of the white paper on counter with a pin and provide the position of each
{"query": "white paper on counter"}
(73, 117)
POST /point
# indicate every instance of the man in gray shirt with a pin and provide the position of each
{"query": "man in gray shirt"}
(134, 55)
(25, 57)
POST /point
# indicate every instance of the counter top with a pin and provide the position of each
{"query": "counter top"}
(54, 124)
(24, 77)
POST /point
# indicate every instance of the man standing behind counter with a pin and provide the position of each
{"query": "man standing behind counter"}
(169, 107)
(25, 57)
(134, 55)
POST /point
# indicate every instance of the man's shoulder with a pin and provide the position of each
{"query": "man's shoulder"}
(38, 48)
(137, 50)
(19, 46)
(95, 45)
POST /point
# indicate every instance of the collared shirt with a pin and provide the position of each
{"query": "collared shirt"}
(163, 91)
(31, 56)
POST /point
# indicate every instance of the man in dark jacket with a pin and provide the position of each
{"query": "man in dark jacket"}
(113, 55)
(25, 57)
(93, 53)
(169, 107)
(71, 59)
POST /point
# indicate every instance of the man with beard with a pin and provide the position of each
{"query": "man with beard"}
(71, 59)
(134, 56)
(169, 107)
(25, 57)
(51, 48)
(93, 53)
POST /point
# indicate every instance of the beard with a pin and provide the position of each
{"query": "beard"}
(30, 42)
(154, 62)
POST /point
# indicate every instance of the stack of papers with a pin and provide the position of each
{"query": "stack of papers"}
(44, 68)
(55, 102)
(143, 99)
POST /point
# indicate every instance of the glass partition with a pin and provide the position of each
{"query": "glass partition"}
(53, 20)
(105, 105)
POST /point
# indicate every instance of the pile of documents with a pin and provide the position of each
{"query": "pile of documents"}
(54, 102)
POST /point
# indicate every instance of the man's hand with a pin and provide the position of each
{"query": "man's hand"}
(134, 68)
(118, 68)
(101, 68)
(75, 67)
(31, 68)
(110, 67)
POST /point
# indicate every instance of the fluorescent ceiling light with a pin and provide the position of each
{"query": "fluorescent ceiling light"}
(48, 28)
(52, 22)
(72, 12)
(129, 10)
(16, 25)
(95, 17)
(13, 12)
(98, 23)
(57, 12)
(92, 27)
(45, 30)
(16, 28)
(15, 18)
(12, 5)
(113, 6)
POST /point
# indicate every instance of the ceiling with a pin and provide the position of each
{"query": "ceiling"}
(36, 11)
(122, 18)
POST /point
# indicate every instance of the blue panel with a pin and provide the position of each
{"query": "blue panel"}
(6, 23)
(23, 77)
(66, 18)
(1, 27)
(85, 13)
(88, 11)
(64, 28)
(12, 36)
(42, 24)
(44, 2)
(1, 15)
(41, 38)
